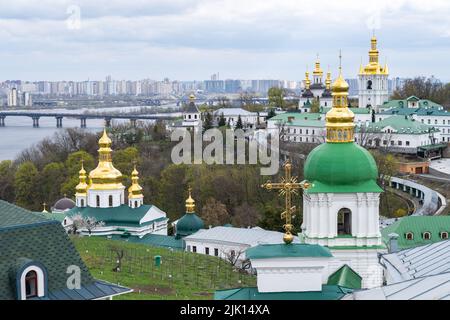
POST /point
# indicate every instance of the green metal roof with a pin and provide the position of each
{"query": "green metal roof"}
(417, 225)
(53, 216)
(433, 146)
(307, 123)
(402, 125)
(403, 103)
(354, 110)
(28, 238)
(122, 215)
(329, 292)
(341, 168)
(189, 224)
(345, 277)
(266, 251)
(283, 117)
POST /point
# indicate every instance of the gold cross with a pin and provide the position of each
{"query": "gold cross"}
(288, 186)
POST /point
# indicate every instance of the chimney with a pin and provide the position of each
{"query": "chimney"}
(393, 242)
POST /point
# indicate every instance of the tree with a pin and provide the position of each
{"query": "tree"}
(271, 113)
(276, 97)
(424, 88)
(245, 216)
(222, 121)
(315, 106)
(208, 121)
(89, 223)
(387, 167)
(239, 123)
(26, 187)
(124, 159)
(7, 172)
(51, 178)
(214, 213)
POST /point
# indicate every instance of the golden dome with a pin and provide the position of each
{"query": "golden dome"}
(192, 97)
(307, 81)
(190, 203)
(317, 70)
(328, 81)
(81, 188)
(135, 190)
(105, 176)
(374, 67)
(339, 120)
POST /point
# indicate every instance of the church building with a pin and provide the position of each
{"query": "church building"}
(100, 197)
(373, 81)
(317, 90)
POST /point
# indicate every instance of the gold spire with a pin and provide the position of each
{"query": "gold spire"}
(328, 81)
(339, 120)
(288, 187)
(105, 176)
(374, 66)
(81, 188)
(317, 70)
(307, 81)
(44, 210)
(135, 190)
(190, 203)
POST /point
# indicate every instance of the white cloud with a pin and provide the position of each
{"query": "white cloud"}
(239, 38)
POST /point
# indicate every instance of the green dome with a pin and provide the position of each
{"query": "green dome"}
(341, 168)
(189, 224)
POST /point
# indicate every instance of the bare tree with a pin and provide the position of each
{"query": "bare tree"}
(89, 223)
(120, 254)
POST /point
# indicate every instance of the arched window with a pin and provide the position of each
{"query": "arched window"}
(110, 201)
(135, 204)
(82, 202)
(426, 235)
(31, 284)
(409, 236)
(369, 85)
(344, 222)
(98, 201)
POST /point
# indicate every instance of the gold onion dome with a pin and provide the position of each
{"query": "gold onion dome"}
(82, 186)
(317, 70)
(307, 81)
(135, 190)
(105, 176)
(339, 120)
(328, 81)
(190, 203)
(374, 66)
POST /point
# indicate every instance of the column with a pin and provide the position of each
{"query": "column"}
(133, 122)
(83, 122)
(2, 121)
(108, 122)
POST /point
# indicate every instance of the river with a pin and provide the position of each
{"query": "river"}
(19, 134)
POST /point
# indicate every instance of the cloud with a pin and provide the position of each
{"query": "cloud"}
(239, 38)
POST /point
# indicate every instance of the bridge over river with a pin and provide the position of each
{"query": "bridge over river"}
(59, 116)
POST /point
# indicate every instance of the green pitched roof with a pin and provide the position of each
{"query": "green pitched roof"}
(329, 292)
(341, 168)
(354, 110)
(417, 225)
(266, 251)
(122, 215)
(402, 125)
(403, 103)
(307, 123)
(345, 277)
(283, 117)
(28, 238)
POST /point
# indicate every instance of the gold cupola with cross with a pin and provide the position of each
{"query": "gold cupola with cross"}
(374, 67)
(135, 191)
(105, 176)
(339, 120)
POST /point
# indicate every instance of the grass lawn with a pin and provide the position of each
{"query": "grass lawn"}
(181, 275)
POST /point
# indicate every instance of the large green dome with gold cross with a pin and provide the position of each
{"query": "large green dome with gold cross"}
(341, 168)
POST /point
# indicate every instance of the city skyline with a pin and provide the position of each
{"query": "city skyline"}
(186, 40)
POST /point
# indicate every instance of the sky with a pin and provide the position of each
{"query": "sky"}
(239, 39)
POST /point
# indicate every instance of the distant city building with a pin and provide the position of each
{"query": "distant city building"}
(12, 98)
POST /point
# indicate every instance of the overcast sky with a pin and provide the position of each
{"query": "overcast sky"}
(191, 39)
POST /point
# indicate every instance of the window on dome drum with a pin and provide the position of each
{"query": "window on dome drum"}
(31, 284)
(444, 235)
(98, 201)
(110, 201)
(426, 235)
(82, 202)
(135, 204)
(344, 223)
(409, 236)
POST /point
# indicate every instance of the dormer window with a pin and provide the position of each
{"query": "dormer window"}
(444, 235)
(426, 235)
(409, 236)
(31, 284)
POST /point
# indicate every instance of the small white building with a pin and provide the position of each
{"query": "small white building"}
(231, 115)
(225, 242)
